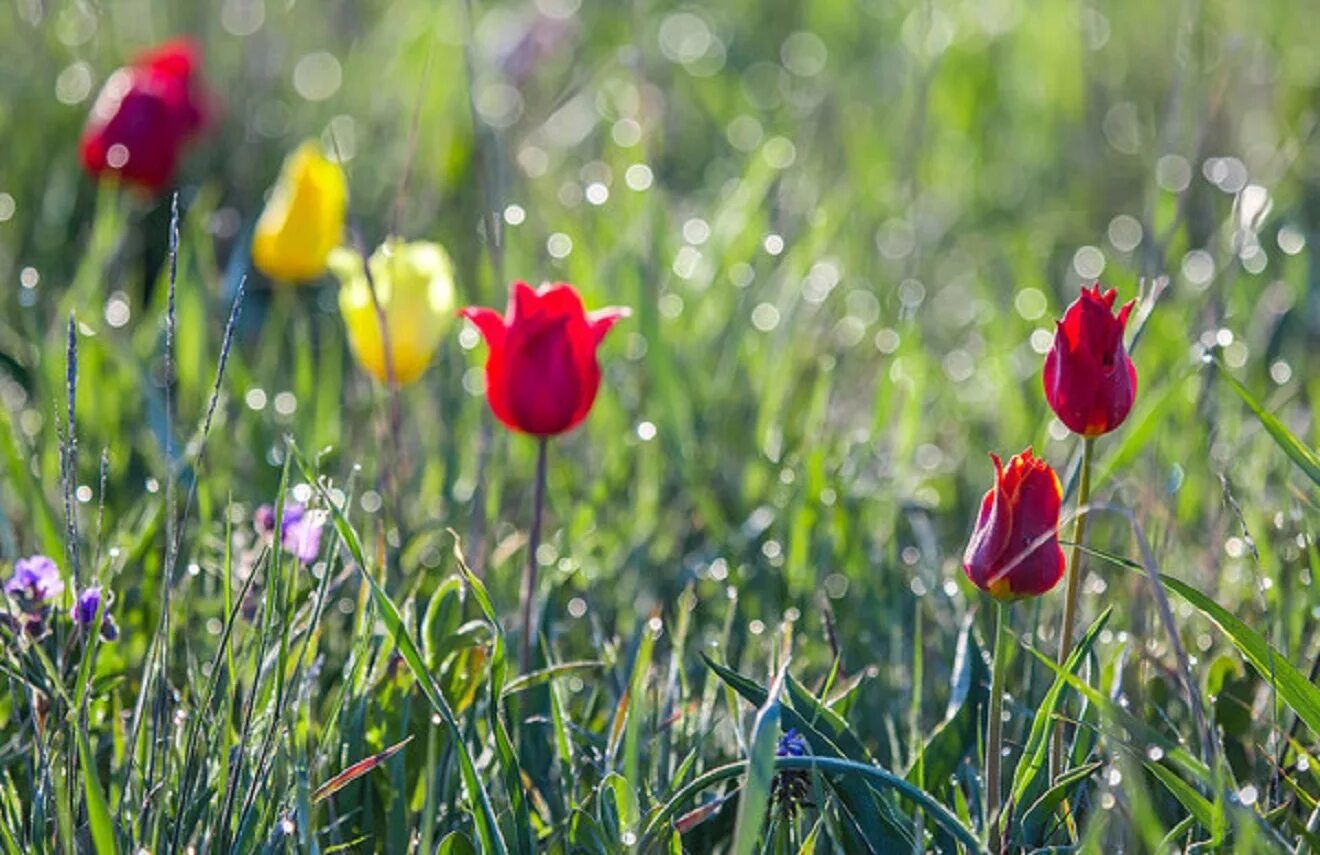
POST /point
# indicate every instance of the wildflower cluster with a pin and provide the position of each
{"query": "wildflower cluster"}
(33, 592)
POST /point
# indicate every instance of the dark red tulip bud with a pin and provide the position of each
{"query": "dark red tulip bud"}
(1014, 551)
(1090, 381)
(542, 375)
(144, 115)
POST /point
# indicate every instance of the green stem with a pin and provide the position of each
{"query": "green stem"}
(1057, 759)
(994, 727)
(533, 541)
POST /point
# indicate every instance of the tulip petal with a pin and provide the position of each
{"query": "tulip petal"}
(602, 321)
(488, 322)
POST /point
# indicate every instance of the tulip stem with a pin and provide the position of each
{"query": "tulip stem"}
(533, 542)
(1057, 759)
(994, 726)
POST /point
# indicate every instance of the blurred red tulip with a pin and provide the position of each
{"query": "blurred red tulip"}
(1090, 382)
(1014, 551)
(542, 375)
(144, 115)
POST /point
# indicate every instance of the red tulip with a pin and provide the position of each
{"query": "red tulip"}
(1014, 551)
(1090, 381)
(542, 375)
(144, 115)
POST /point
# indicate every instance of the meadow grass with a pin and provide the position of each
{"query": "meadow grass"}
(844, 230)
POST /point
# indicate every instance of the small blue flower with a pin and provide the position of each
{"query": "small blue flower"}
(791, 786)
(791, 744)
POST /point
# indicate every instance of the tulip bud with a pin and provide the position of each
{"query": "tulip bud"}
(303, 219)
(1014, 551)
(144, 115)
(415, 286)
(1090, 382)
(542, 375)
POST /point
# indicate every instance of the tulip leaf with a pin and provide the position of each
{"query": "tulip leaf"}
(1034, 824)
(1197, 805)
(1297, 691)
(1032, 775)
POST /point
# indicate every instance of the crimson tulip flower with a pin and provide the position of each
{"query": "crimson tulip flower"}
(1014, 551)
(145, 114)
(541, 379)
(1090, 382)
(542, 375)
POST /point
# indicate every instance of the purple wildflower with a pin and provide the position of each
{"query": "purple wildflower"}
(85, 607)
(36, 580)
(301, 538)
(300, 529)
(263, 519)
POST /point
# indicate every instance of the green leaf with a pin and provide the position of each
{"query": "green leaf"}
(755, 797)
(1196, 804)
(957, 737)
(1303, 456)
(488, 829)
(1034, 824)
(1294, 688)
(874, 776)
(98, 811)
(1137, 728)
(456, 843)
(1031, 775)
(878, 825)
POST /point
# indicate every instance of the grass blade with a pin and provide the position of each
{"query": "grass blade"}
(1304, 457)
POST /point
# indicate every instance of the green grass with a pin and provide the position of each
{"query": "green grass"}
(861, 221)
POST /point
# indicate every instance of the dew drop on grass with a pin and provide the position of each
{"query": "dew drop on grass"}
(836, 586)
(597, 193)
(638, 177)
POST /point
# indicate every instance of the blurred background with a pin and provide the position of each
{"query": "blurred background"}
(845, 229)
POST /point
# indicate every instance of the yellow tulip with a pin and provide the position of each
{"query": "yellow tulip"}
(415, 286)
(304, 218)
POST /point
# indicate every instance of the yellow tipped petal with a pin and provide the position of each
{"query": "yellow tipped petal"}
(304, 218)
(415, 286)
